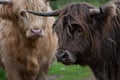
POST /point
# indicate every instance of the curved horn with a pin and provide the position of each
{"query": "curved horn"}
(5, 2)
(53, 13)
(94, 11)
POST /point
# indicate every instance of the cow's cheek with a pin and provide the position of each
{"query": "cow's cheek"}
(28, 34)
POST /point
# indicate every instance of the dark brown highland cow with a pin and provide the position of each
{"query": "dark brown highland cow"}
(89, 36)
(27, 42)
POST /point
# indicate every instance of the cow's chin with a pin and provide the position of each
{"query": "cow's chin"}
(33, 37)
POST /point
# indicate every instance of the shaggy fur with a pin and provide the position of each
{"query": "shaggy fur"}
(24, 58)
(90, 39)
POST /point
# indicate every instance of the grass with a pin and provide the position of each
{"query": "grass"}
(62, 72)
(2, 75)
(75, 72)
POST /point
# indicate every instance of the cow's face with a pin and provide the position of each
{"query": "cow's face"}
(32, 26)
(73, 44)
(29, 25)
(73, 35)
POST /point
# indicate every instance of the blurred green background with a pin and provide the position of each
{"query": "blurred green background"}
(60, 3)
(59, 71)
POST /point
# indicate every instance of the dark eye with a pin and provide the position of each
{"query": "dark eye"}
(79, 30)
(23, 13)
(75, 29)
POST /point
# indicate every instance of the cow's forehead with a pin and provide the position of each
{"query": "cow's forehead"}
(36, 5)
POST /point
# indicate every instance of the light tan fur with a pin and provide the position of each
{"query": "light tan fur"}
(24, 58)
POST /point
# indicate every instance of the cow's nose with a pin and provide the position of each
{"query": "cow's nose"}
(61, 56)
(37, 32)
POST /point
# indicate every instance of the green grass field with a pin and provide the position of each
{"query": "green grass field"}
(62, 72)
(75, 72)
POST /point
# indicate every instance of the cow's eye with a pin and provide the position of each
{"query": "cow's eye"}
(23, 13)
(76, 29)
(79, 30)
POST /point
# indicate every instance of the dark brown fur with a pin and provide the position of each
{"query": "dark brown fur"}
(91, 39)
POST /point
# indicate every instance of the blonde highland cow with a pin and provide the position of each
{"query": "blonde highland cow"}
(27, 42)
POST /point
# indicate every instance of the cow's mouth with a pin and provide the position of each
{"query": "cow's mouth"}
(67, 62)
(65, 57)
(35, 36)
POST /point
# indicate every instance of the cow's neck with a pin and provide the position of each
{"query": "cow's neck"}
(106, 71)
(106, 66)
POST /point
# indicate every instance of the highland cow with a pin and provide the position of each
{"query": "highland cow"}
(27, 42)
(89, 36)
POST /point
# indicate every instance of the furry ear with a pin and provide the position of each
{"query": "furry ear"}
(102, 16)
(109, 9)
(106, 11)
(7, 10)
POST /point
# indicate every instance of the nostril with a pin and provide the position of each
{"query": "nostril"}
(62, 55)
(36, 30)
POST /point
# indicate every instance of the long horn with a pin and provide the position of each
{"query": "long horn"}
(53, 13)
(94, 11)
(5, 2)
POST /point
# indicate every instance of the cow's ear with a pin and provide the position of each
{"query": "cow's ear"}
(105, 11)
